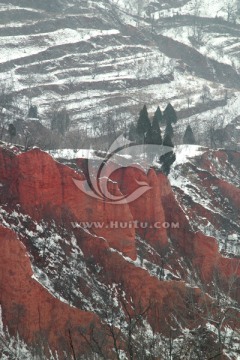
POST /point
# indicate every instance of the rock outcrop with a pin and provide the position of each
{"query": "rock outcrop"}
(29, 309)
(130, 257)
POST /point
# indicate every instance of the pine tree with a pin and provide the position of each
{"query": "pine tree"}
(166, 161)
(148, 136)
(170, 115)
(12, 131)
(143, 124)
(188, 137)
(169, 129)
(33, 112)
(167, 140)
(132, 133)
(155, 131)
(158, 114)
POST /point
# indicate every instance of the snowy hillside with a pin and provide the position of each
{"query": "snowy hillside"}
(199, 177)
(106, 59)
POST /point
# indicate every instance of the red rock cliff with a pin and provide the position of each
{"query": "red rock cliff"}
(44, 189)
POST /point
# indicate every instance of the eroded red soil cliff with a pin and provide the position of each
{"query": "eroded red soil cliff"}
(44, 189)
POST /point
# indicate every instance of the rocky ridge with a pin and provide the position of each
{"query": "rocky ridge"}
(55, 274)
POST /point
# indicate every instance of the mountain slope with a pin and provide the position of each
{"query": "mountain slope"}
(104, 270)
(101, 61)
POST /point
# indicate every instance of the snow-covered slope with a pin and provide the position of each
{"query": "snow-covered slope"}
(206, 184)
(106, 59)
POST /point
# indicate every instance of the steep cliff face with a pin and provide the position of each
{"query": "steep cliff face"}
(28, 308)
(147, 209)
(158, 268)
(207, 188)
(45, 189)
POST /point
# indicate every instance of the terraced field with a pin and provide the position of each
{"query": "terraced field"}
(103, 59)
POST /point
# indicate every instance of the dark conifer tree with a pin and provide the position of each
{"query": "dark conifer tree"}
(33, 112)
(158, 114)
(143, 124)
(188, 137)
(156, 132)
(132, 133)
(167, 141)
(148, 137)
(169, 129)
(12, 131)
(166, 161)
(170, 115)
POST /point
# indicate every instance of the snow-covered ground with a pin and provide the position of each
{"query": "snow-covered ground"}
(110, 69)
(69, 154)
(185, 152)
(212, 207)
(218, 117)
(20, 46)
(223, 48)
(204, 8)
